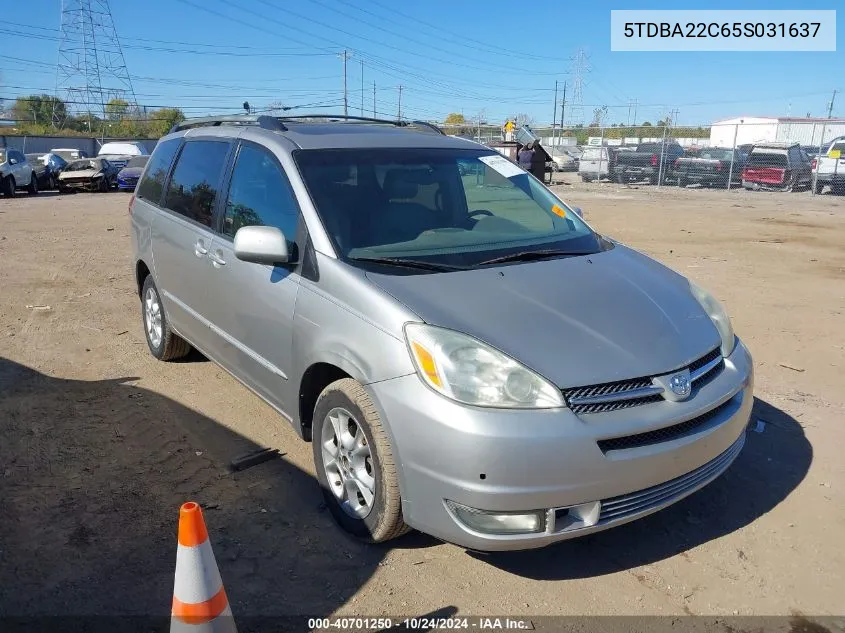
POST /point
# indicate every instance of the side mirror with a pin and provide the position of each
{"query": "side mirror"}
(261, 245)
(13, 161)
(578, 212)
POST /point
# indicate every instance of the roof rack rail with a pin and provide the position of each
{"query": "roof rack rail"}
(363, 119)
(259, 120)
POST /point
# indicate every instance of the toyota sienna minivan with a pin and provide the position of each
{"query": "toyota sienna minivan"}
(467, 356)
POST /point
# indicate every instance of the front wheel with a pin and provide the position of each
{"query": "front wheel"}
(9, 187)
(103, 186)
(355, 464)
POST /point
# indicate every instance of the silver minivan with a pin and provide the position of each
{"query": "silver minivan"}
(466, 354)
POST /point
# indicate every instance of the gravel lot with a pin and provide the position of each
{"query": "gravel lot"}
(100, 443)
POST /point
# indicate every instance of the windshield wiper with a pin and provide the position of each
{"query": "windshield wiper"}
(527, 256)
(408, 263)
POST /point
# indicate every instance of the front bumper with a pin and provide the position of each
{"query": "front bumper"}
(81, 185)
(549, 461)
(127, 184)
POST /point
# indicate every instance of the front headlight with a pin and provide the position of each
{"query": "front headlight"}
(718, 315)
(469, 371)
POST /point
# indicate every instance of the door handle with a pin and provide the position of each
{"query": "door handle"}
(216, 260)
(199, 249)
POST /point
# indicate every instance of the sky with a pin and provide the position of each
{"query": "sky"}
(493, 59)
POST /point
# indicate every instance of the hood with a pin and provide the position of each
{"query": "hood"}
(577, 321)
(86, 173)
(130, 172)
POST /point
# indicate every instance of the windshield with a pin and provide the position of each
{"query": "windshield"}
(83, 165)
(34, 159)
(137, 161)
(448, 206)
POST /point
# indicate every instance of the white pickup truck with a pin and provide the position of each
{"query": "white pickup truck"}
(829, 168)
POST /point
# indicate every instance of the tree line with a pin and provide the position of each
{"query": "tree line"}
(45, 115)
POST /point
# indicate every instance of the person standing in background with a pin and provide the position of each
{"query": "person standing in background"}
(525, 158)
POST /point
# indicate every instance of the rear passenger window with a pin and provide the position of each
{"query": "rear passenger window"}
(260, 195)
(151, 186)
(193, 187)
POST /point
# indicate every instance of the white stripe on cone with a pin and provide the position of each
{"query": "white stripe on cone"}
(197, 576)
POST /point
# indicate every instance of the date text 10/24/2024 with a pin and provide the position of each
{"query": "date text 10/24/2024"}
(482, 624)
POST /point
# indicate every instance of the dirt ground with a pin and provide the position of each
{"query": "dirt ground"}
(100, 443)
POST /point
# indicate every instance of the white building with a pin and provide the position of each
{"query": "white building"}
(768, 129)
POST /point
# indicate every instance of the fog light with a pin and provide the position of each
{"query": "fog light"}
(499, 522)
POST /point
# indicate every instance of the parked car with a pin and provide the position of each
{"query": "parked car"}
(468, 357)
(595, 163)
(119, 153)
(777, 166)
(829, 167)
(648, 162)
(70, 153)
(16, 173)
(561, 160)
(47, 168)
(127, 178)
(87, 174)
(598, 163)
(711, 166)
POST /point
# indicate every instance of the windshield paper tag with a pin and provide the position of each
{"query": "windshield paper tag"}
(502, 165)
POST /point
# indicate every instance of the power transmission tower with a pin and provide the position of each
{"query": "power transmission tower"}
(579, 69)
(399, 115)
(91, 69)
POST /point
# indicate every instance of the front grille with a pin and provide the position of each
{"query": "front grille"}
(662, 435)
(626, 389)
(623, 506)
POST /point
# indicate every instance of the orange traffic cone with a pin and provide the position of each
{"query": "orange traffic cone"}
(200, 604)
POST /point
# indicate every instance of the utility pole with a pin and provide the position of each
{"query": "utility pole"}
(345, 57)
(636, 103)
(554, 114)
(830, 108)
(399, 114)
(562, 108)
(362, 87)
(374, 98)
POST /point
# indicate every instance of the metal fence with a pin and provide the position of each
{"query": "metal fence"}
(43, 144)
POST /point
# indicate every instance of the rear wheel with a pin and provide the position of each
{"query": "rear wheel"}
(163, 342)
(32, 189)
(818, 187)
(355, 464)
(682, 182)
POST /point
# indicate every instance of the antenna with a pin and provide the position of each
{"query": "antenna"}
(91, 69)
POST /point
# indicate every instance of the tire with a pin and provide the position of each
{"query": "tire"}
(9, 187)
(32, 189)
(818, 187)
(682, 182)
(345, 407)
(585, 178)
(620, 179)
(652, 180)
(103, 185)
(163, 342)
(838, 188)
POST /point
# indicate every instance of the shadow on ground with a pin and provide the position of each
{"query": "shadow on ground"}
(770, 467)
(91, 478)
